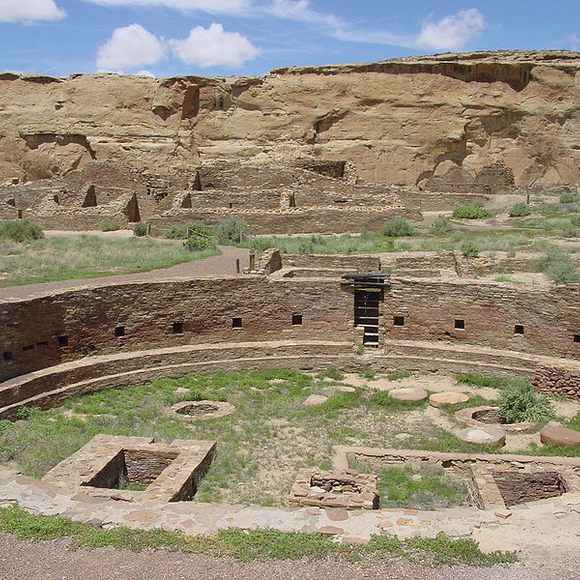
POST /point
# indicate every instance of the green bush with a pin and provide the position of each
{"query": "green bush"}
(472, 211)
(441, 226)
(470, 249)
(20, 231)
(176, 233)
(520, 210)
(559, 267)
(110, 226)
(519, 403)
(231, 230)
(140, 229)
(398, 227)
(199, 238)
(568, 197)
(575, 221)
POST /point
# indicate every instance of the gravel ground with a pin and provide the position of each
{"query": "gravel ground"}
(55, 561)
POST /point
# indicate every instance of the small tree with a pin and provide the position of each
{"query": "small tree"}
(20, 231)
(441, 226)
(398, 227)
(140, 229)
(472, 211)
(232, 230)
(199, 238)
(520, 210)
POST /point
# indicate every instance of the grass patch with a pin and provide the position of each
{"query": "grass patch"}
(398, 375)
(419, 489)
(489, 381)
(384, 400)
(88, 256)
(249, 545)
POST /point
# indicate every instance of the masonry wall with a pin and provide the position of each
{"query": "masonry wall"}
(490, 313)
(205, 309)
(296, 221)
(48, 330)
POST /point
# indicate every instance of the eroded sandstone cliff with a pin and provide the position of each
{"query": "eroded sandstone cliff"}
(415, 121)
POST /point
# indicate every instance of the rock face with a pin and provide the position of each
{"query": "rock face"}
(450, 122)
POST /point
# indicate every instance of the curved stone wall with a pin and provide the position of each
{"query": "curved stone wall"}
(94, 337)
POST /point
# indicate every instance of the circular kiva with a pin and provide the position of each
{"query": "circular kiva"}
(447, 398)
(482, 416)
(488, 435)
(195, 410)
(408, 395)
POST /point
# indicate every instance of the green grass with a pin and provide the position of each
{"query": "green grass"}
(250, 545)
(385, 401)
(492, 382)
(260, 446)
(398, 375)
(414, 488)
(87, 256)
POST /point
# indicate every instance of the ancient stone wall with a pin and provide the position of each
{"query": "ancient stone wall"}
(328, 261)
(558, 381)
(47, 330)
(485, 314)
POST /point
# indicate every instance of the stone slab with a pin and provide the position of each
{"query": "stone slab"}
(487, 435)
(560, 436)
(408, 395)
(439, 400)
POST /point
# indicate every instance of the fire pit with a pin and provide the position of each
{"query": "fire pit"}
(480, 416)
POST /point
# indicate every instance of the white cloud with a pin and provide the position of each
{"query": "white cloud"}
(211, 6)
(213, 46)
(451, 32)
(28, 11)
(130, 47)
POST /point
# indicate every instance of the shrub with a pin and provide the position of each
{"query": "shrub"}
(398, 227)
(520, 210)
(575, 221)
(559, 267)
(199, 238)
(519, 403)
(470, 211)
(568, 197)
(110, 226)
(20, 231)
(176, 233)
(441, 226)
(140, 229)
(231, 230)
(470, 249)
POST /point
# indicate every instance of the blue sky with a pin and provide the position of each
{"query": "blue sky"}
(227, 37)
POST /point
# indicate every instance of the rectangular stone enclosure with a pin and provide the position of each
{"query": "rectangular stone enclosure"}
(135, 468)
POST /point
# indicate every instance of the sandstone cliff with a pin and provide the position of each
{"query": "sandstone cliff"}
(405, 122)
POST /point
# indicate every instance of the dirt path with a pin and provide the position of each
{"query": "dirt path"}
(216, 266)
(55, 561)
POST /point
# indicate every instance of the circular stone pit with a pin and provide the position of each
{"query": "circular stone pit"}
(484, 435)
(484, 416)
(195, 410)
(444, 398)
(408, 395)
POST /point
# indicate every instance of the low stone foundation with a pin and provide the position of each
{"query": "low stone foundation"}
(346, 489)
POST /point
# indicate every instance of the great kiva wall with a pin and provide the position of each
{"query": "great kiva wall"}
(314, 150)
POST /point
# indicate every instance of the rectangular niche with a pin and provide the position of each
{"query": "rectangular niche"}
(119, 331)
(63, 341)
(519, 329)
(132, 469)
(177, 328)
(516, 488)
(297, 320)
(236, 322)
(460, 324)
(398, 321)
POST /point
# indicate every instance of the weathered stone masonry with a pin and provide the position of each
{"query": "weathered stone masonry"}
(48, 330)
